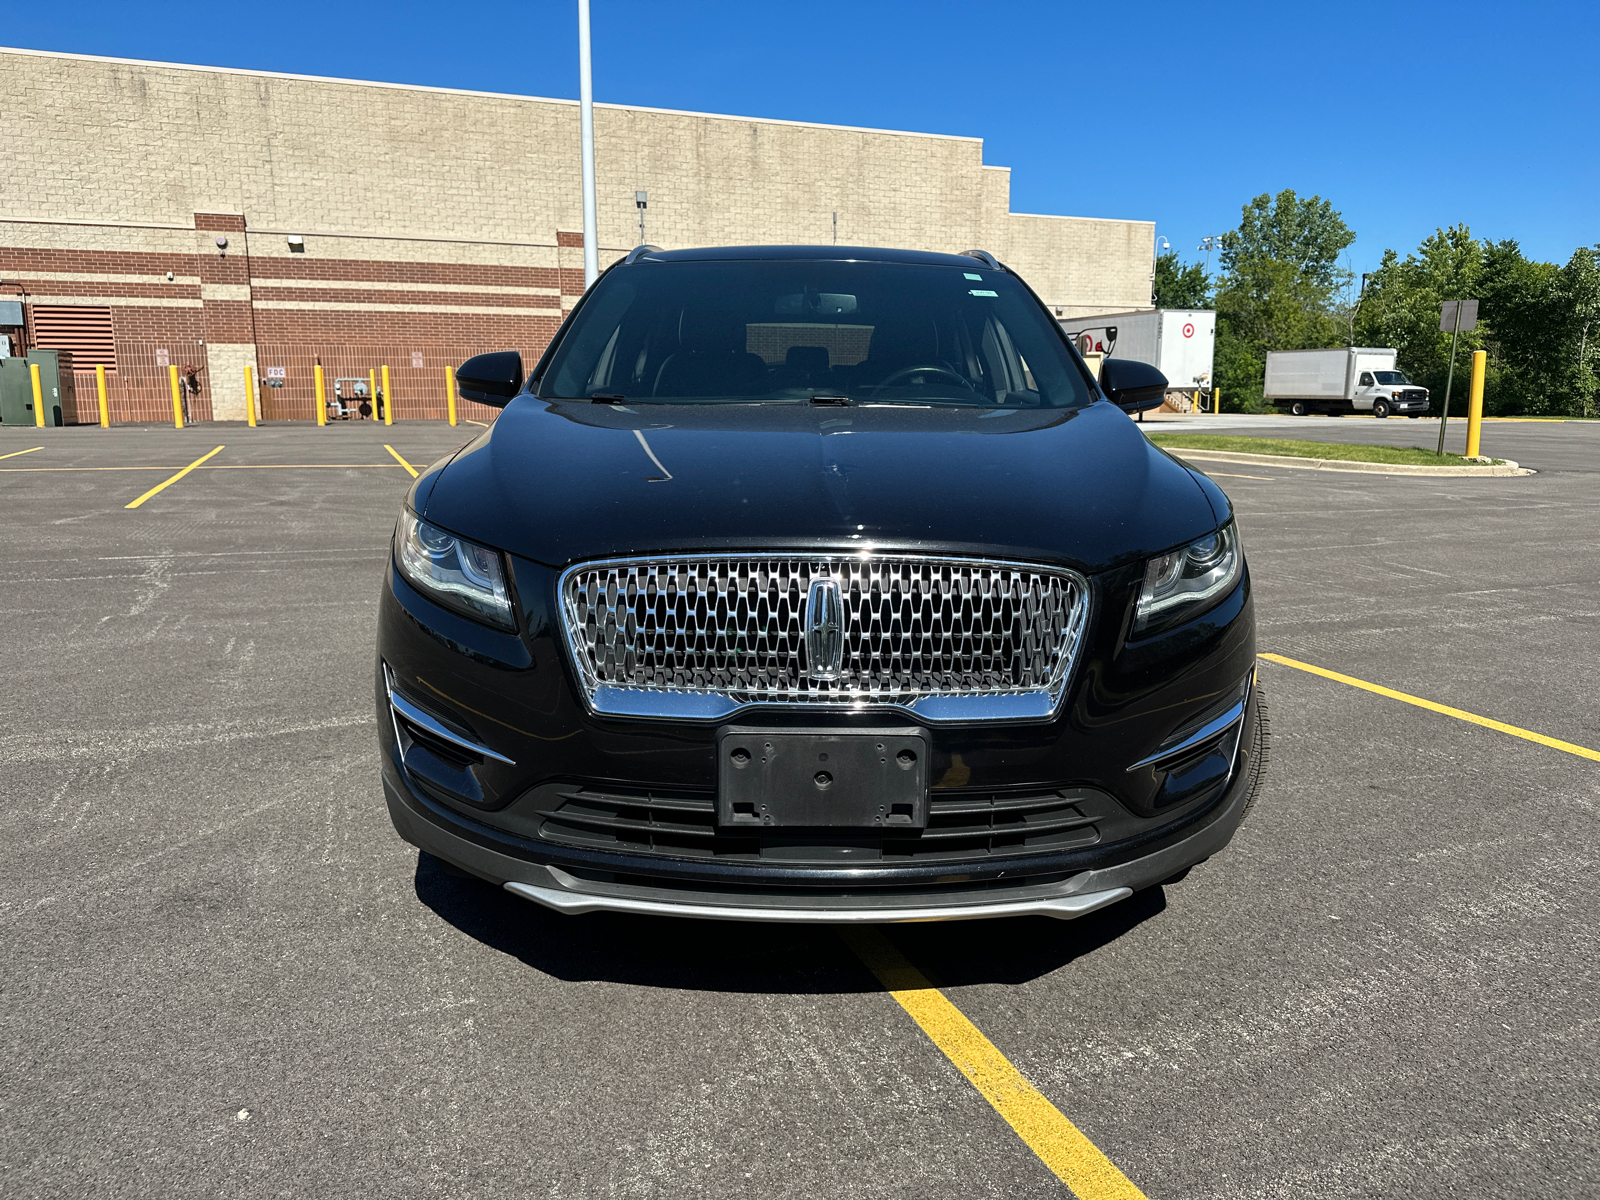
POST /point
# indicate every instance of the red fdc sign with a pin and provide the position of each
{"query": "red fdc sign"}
(1188, 331)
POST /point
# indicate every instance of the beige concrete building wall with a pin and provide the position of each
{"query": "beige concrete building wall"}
(93, 139)
(436, 222)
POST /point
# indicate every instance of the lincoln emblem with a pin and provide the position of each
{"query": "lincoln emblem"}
(824, 630)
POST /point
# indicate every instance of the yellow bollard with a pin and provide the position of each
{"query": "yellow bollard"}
(250, 394)
(38, 394)
(1480, 359)
(177, 397)
(450, 392)
(322, 397)
(100, 388)
(388, 399)
(1216, 401)
(372, 387)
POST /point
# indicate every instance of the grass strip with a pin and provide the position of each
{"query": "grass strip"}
(1409, 456)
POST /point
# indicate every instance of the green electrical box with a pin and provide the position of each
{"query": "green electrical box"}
(16, 392)
(55, 384)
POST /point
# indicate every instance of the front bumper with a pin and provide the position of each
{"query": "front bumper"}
(527, 870)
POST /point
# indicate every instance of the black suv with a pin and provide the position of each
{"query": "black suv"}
(816, 584)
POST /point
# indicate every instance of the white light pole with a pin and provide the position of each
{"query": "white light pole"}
(591, 237)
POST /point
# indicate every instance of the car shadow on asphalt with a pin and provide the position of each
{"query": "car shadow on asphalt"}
(733, 956)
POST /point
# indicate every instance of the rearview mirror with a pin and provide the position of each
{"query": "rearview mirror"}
(1131, 385)
(490, 378)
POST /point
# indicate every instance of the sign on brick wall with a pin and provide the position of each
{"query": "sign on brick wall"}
(416, 359)
(162, 359)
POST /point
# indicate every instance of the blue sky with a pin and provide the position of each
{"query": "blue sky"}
(1405, 115)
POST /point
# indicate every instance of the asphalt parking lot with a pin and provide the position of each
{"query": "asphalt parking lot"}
(226, 976)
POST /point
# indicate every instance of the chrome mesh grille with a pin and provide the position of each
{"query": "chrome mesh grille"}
(736, 627)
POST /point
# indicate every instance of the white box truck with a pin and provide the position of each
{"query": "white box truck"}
(1360, 379)
(1178, 342)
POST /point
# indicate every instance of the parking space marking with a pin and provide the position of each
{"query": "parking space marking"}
(400, 460)
(213, 467)
(15, 453)
(166, 483)
(1060, 1145)
(1460, 714)
(1227, 475)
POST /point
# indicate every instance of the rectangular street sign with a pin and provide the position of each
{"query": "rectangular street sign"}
(1469, 316)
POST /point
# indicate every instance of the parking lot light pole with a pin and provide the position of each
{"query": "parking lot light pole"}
(591, 246)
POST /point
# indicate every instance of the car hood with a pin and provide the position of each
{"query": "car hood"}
(562, 481)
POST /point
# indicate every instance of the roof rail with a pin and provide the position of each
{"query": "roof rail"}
(985, 258)
(633, 255)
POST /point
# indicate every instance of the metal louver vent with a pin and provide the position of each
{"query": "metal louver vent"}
(84, 330)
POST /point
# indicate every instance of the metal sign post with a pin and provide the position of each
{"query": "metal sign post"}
(1455, 318)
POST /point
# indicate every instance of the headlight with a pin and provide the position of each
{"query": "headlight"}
(453, 571)
(1186, 582)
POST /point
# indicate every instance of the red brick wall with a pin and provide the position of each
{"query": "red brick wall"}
(375, 330)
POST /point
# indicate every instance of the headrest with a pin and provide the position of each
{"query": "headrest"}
(807, 358)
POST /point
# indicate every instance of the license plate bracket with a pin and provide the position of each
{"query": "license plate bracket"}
(778, 778)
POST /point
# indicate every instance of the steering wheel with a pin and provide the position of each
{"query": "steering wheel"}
(931, 369)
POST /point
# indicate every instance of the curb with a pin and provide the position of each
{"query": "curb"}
(1506, 469)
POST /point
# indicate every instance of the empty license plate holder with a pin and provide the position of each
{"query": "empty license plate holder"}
(771, 778)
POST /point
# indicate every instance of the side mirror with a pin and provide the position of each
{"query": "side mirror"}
(490, 378)
(1131, 385)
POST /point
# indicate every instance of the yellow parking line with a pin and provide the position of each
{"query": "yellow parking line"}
(470, 421)
(1076, 1161)
(401, 461)
(299, 466)
(212, 467)
(1459, 714)
(1228, 475)
(15, 453)
(166, 483)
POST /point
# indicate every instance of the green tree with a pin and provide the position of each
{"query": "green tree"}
(1279, 289)
(1400, 308)
(1179, 286)
(1306, 234)
(1534, 320)
(1576, 296)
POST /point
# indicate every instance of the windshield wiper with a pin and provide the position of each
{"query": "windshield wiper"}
(831, 401)
(607, 398)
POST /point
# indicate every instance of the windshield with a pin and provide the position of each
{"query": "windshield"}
(1391, 377)
(788, 331)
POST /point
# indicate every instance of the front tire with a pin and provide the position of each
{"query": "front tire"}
(1260, 746)
(1380, 409)
(1298, 408)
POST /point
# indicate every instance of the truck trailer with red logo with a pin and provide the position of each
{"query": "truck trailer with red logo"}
(1178, 342)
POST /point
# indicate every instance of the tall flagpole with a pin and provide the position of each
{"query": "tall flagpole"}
(591, 244)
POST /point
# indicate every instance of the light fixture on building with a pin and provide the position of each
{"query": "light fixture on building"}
(297, 244)
(170, 277)
(641, 201)
(222, 242)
